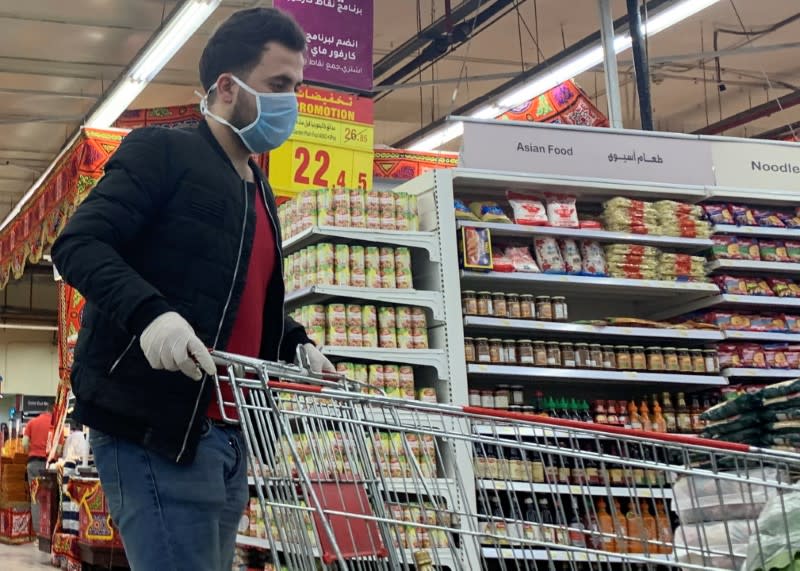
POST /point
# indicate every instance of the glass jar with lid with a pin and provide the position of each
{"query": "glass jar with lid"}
(655, 359)
(517, 395)
(469, 350)
(609, 357)
(513, 306)
(567, 355)
(502, 397)
(596, 356)
(469, 302)
(712, 360)
(539, 354)
(482, 354)
(698, 362)
(474, 397)
(485, 304)
(527, 307)
(553, 354)
(496, 351)
(510, 347)
(525, 352)
(671, 359)
(499, 306)
(559, 306)
(582, 356)
(544, 308)
(623, 358)
(638, 358)
(685, 363)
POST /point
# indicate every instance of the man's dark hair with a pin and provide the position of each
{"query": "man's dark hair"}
(237, 45)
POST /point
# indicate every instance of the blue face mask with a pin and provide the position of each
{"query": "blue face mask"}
(276, 115)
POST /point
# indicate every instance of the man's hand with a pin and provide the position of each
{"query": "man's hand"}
(170, 344)
(319, 363)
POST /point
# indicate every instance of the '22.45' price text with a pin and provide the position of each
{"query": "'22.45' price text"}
(317, 170)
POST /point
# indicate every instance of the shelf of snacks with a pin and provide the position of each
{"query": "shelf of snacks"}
(550, 328)
(435, 358)
(500, 229)
(760, 373)
(575, 489)
(431, 300)
(726, 301)
(591, 375)
(792, 233)
(758, 266)
(767, 336)
(590, 285)
(565, 556)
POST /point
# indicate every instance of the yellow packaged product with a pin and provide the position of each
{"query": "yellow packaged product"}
(387, 338)
(419, 338)
(404, 338)
(401, 220)
(341, 207)
(427, 457)
(372, 267)
(302, 257)
(375, 376)
(407, 381)
(413, 214)
(315, 315)
(342, 265)
(325, 264)
(317, 334)
(391, 381)
(418, 318)
(489, 211)
(388, 277)
(288, 272)
(307, 209)
(369, 316)
(369, 337)
(387, 318)
(358, 276)
(402, 265)
(358, 208)
(387, 211)
(360, 373)
(403, 317)
(427, 394)
(373, 210)
(325, 207)
(355, 336)
(346, 369)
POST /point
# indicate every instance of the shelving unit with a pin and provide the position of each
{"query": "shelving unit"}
(423, 240)
(549, 328)
(431, 300)
(754, 373)
(756, 267)
(672, 309)
(762, 336)
(559, 555)
(571, 489)
(758, 231)
(435, 358)
(519, 373)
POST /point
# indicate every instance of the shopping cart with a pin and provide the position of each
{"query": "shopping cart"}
(347, 477)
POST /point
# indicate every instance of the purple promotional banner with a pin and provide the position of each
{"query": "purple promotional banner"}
(339, 36)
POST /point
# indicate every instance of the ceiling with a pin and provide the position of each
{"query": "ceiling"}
(57, 58)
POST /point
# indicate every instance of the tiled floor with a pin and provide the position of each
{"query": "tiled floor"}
(23, 558)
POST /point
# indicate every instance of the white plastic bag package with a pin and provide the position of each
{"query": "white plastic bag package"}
(777, 545)
(700, 499)
(707, 544)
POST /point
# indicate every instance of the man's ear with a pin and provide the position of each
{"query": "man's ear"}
(226, 89)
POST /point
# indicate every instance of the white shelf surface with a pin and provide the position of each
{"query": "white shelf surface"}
(556, 555)
(754, 373)
(754, 266)
(671, 309)
(567, 285)
(765, 336)
(422, 240)
(321, 293)
(524, 231)
(575, 490)
(591, 375)
(762, 231)
(531, 432)
(552, 328)
(435, 358)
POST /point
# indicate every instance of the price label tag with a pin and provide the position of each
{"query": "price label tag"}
(644, 493)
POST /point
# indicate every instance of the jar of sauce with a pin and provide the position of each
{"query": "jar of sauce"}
(527, 309)
(685, 361)
(638, 358)
(502, 397)
(698, 362)
(712, 360)
(567, 355)
(469, 350)
(496, 351)
(469, 303)
(474, 397)
(671, 359)
(655, 359)
(596, 356)
(513, 306)
(482, 353)
(553, 354)
(510, 348)
(624, 358)
(609, 357)
(539, 354)
(499, 306)
(485, 304)
(544, 308)
(487, 399)
(525, 354)
(582, 356)
(559, 305)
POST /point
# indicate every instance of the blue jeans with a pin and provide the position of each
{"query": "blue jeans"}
(171, 517)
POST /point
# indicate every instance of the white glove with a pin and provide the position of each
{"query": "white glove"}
(170, 344)
(319, 362)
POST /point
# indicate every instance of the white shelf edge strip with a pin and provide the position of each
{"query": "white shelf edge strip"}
(753, 266)
(573, 489)
(424, 240)
(436, 358)
(592, 375)
(422, 298)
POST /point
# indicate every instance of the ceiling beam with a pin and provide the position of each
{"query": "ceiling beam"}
(780, 132)
(748, 116)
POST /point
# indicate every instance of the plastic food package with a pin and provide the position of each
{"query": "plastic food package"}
(571, 255)
(561, 210)
(728, 321)
(694, 542)
(521, 259)
(748, 248)
(462, 212)
(731, 284)
(703, 499)
(768, 547)
(681, 267)
(793, 250)
(758, 286)
(742, 215)
(527, 209)
(776, 357)
(789, 220)
(725, 248)
(718, 213)
(782, 287)
(626, 215)
(500, 260)
(767, 218)
(548, 256)
(594, 261)
(773, 251)
(476, 248)
(489, 211)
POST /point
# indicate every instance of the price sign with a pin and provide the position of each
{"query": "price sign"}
(331, 145)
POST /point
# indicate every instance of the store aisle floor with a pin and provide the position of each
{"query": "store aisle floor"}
(22, 558)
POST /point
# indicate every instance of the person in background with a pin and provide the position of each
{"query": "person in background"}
(4, 434)
(76, 448)
(34, 442)
(178, 249)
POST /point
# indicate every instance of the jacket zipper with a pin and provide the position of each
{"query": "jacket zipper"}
(221, 320)
(279, 245)
(122, 355)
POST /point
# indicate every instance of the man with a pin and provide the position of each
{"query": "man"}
(34, 442)
(76, 448)
(178, 249)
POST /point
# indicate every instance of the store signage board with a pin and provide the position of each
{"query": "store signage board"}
(331, 145)
(583, 152)
(36, 404)
(765, 166)
(339, 35)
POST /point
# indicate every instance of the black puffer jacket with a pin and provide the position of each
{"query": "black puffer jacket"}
(168, 228)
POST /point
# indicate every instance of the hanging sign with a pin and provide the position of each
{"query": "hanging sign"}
(538, 149)
(331, 145)
(403, 164)
(762, 165)
(339, 35)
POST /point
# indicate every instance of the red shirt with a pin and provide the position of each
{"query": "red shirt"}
(248, 327)
(37, 431)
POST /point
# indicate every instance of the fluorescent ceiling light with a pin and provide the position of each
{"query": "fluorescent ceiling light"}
(28, 327)
(567, 69)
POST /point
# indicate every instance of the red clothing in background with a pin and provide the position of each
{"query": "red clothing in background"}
(37, 431)
(248, 326)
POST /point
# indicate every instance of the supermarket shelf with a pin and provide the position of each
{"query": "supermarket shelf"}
(435, 358)
(523, 231)
(567, 285)
(757, 266)
(756, 231)
(591, 375)
(534, 488)
(320, 293)
(748, 373)
(556, 555)
(551, 328)
(766, 336)
(688, 306)
(423, 240)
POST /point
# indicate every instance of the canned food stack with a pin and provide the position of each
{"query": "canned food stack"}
(345, 265)
(394, 380)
